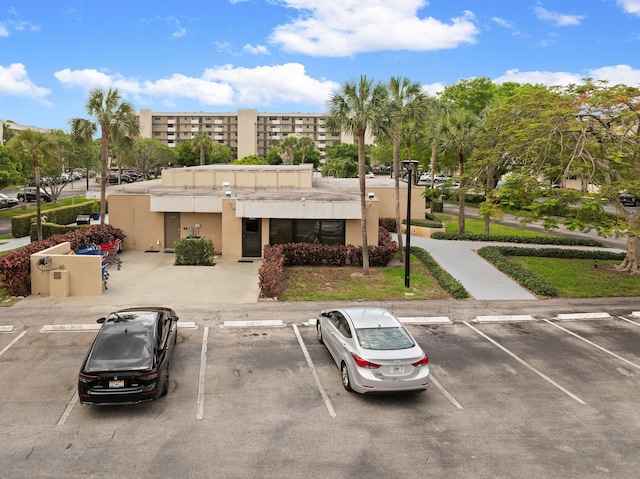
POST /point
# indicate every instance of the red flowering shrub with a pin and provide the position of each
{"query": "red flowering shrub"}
(15, 267)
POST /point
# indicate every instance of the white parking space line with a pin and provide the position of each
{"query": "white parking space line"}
(504, 319)
(628, 320)
(84, 328)
(314, 373)
(527, 365)
(203, 368)
(251, 324)
(425, 320)
(636, 314)
(4, 350)
(7, 329)
(584, 316)
(591, 343)
(445, 392)
(68, 409)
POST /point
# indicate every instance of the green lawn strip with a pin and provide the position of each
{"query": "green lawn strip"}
(578, 278)
(389, 285)
(550, 284)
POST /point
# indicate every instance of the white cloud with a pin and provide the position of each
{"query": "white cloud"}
(257, 50)
(3, 31)
(265, 84)
(90, 78)
(558, 19)
(180, 32)
(539, 77)
(502, 22)
(616, 74)
(630, 6)
(224, 85)
(14, 81)
(181, 86)
(353, 26)
(433, 89)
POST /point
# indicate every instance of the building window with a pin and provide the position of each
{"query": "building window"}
(283, 231)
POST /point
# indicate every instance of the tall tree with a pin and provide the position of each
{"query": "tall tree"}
(354, 108)
(33, 145)
(592, 131)
(149, 154)
(455, 133)
(202, 143)
(112, 115)
(409, 106)
(10, 168)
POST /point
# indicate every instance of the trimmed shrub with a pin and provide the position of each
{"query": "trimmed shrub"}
(444, 279)
(198, 252)
(15, 266)
(517, 239)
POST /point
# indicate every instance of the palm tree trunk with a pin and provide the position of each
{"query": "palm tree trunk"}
(363, 202)
(103, 174)
(396, 178)
(36, 172)
(461, 194)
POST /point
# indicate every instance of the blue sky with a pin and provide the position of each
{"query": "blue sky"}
(289, 55)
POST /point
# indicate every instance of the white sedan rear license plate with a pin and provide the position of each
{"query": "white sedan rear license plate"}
(396, 369)
(116, 384)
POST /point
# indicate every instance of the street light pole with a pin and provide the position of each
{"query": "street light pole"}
(410, 166)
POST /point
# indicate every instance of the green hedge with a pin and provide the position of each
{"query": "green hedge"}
(498, 255)
(448, 282)
(50, 229)
(558, 240)
(64, 215)
(197, 252)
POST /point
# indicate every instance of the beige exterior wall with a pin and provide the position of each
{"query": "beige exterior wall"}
(245, 176)
(131, 213)
(247, 133)
(67, 274)
(387, 197)
(232, 227)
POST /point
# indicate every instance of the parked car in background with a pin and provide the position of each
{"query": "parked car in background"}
(374, 351)
(130, 358)
(29, 194)
(629, 200)
(7, 201)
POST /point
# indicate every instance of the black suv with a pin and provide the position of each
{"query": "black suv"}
(29, 194)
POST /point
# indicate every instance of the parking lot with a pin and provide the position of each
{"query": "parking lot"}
(519, 396)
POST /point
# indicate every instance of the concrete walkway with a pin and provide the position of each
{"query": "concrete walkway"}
(480, 278)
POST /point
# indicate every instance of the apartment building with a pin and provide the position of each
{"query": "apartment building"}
(246, 131)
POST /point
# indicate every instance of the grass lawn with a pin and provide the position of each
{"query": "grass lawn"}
(474, 226)
(315, 283)
(577, 278)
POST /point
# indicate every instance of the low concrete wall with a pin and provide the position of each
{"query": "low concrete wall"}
(422, 231)
(57, 271)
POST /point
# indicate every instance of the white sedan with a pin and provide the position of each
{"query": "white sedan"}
(374, 351)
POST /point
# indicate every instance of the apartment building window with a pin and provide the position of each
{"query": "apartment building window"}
(156, 118)
(285, 118)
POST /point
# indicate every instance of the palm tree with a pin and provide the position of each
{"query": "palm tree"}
(354, 108)
(409, 105)
(34, 145)
(112, 115)
(455, 133)
(122, 140)
(202, 143)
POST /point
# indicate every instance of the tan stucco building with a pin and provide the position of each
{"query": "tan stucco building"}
(246, 131)
(243, 208)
